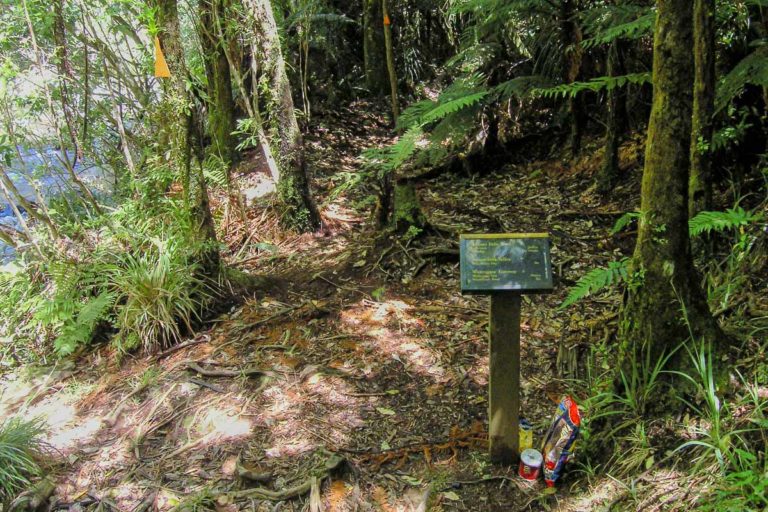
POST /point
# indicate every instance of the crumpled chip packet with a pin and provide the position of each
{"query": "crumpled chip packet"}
(559, 441)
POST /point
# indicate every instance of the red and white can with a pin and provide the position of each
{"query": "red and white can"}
(530, 464)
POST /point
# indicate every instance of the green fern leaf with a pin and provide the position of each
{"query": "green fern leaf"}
(624, 221)
(595, 85)
(733, 218)
(753, 69)
(596, 280)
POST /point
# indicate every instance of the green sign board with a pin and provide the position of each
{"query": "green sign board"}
(508, 262)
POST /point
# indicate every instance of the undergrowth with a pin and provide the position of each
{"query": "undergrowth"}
(134, 282)
(20, 450)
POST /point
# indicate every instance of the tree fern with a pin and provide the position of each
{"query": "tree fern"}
(596, 280)
(452, 106)
(733, 218)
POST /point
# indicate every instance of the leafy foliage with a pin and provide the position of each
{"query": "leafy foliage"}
(624, 221)
(157, 293)
(596, 280)
(20, 449)
(733, 218)
(753, 69)
(595, 85)
(612, 22)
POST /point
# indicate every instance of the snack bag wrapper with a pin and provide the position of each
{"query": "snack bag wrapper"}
(558, 443)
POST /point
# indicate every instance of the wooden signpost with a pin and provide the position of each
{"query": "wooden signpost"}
(505, 266)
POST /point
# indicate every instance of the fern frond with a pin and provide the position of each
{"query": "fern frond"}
(733, 218)
(634, 29)
(452, 106)
(520, 87)
(596, 280)
(594, 85)
(624, 221)
(752, 69)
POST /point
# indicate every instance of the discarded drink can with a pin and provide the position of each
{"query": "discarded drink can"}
(530, 464)
(526, 435)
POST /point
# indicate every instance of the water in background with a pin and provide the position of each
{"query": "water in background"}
(47, 170)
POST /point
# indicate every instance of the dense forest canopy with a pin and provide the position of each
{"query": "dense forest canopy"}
(230, 265)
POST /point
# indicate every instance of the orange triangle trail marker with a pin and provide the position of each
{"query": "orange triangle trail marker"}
(161, 66)
(387, 21)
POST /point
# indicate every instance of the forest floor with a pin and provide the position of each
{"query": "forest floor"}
(357, 346)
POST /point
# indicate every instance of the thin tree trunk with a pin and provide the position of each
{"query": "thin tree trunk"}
(179, 132)
(570, 34)
(617, 120)
(293, 187)
(390, 61)
(374, 53)
(88, 196)
(662, 263)
(255, 116)
(66, 76)
(700, 184)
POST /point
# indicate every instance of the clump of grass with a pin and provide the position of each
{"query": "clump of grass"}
(159, 293)
(20, 449)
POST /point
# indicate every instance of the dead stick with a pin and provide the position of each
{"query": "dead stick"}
(223, 373)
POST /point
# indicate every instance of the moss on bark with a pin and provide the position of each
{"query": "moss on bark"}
(293, 184)
(667, 281)
(221, 105)
(178, 130)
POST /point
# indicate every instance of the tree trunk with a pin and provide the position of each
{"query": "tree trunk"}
(570, 34)
(179, 130)
(221, 105)
(617, 121)
(390, 61)
(700, 184)
(374, 54)
(293, 184)
(662, 267)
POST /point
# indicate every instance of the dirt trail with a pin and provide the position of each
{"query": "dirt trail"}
(377, 359)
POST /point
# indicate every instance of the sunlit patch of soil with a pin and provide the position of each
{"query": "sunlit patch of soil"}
(388, 326)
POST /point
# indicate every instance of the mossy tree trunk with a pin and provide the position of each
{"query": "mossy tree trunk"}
(293, 184)
(700, 184)
(221, 105)
(662, 265)
(374, 54)
(617, 121)
(406, 208)
(178, 128)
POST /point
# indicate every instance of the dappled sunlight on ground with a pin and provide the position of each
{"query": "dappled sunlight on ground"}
(387, 326)
(304, 412)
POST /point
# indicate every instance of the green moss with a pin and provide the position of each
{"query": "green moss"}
(407, 209)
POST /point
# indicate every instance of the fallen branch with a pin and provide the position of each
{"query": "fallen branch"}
(202, 339)
(204, 384)
(333, 463)
(223, 373)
